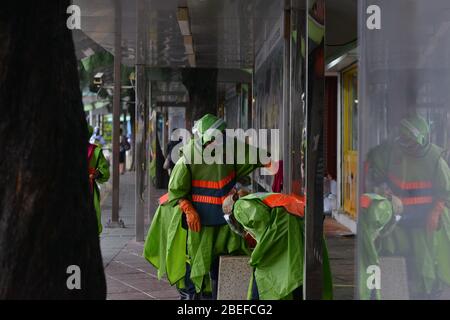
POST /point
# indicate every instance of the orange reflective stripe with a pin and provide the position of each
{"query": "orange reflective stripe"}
(411, 185)
(214, 184)
(292, 203)
(416, 200)
(207, 199)
(365, 201)
(164, 199)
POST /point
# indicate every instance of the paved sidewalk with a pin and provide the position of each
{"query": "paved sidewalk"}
(130, 277)
(114, 240)
(341, 251)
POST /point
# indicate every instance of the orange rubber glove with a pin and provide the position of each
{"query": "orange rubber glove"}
(192, 217)
(434, 217)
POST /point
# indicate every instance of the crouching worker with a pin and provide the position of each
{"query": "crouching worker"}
(276, 222)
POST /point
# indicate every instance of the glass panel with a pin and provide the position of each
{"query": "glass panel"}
(268, 83)
(403, 219)
(298, 95)
(244, 119)
(314, 286)
(354, 112)
(350, 156)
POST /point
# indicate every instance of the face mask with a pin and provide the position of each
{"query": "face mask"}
(410, 146)
(405, 142)
(234, 225)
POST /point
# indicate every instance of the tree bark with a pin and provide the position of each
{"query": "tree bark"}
(47, 219)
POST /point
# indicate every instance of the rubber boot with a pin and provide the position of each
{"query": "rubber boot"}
(184, 295)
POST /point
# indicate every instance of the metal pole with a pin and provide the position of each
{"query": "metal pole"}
(287, 132)
(115, 222)
(140, 120)
(91, 118)
(315, 82)
(149, 140)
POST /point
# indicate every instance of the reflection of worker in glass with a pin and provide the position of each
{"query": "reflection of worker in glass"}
(411, 173)
(276, 222)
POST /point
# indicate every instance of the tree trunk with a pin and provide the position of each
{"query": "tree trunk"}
(47, 219)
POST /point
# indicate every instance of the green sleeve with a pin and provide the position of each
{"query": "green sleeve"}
(102, 167)
(316, 30)
(443, 181)
(250, 163)
(180, 182)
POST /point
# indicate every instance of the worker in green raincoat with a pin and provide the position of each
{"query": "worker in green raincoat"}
(276, 222)
(98, 173)
(189, 232)
(412, 173)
